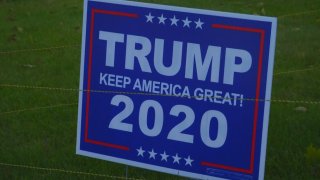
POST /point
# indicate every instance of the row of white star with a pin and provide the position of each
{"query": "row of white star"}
(174, 21)
(165, 156)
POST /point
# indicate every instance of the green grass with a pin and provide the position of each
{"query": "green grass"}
(46, 137)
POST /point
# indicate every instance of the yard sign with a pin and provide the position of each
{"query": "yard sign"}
(175, 90)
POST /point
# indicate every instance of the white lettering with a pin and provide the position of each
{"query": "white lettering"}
(112, 39)
(194, 57)
(114, 80)
(231, 67)
(174, 68)
(139, 54)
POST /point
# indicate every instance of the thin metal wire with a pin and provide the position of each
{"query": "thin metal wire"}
(163, 95)
(296, 70)
(38, 49)
(299, 13)
(37, 108)
(64, 171)
(78, 45)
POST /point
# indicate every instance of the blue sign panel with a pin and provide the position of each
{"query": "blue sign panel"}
(175, 90)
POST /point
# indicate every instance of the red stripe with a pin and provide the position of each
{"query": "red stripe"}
(237, 28)
(256, 108)
(115, 146)
(115, 13)
(89, 74)
(87, 140)
(225, 167)
(256, 112)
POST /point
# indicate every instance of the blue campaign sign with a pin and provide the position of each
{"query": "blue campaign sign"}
(176, 90)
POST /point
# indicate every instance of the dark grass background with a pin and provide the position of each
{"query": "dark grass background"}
(46, 137)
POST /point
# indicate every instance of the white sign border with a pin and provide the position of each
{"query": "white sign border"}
(189, 10)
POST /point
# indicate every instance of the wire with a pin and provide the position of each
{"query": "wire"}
(64, 171)
(298, 13)
(295, 71)
(164, 95)
(37, 108)
(38, 49)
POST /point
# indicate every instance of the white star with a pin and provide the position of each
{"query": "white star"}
(164, 156)
(174, 21)
(162, 19)
(149, 17)
(186, 22)
(188, 161)
(198, 24)
(140, 151)
(176, 158)
(152, 154)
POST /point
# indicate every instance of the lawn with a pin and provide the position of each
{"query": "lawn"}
(39, 67)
